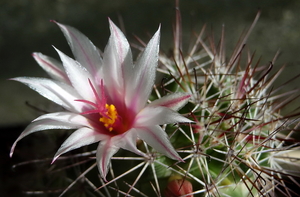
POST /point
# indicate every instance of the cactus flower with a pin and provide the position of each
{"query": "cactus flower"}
(105, 97)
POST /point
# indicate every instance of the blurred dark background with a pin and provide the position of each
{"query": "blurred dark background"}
(25, 28)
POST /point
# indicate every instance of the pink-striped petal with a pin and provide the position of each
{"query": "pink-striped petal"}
(127, 141)
(67, 117)
(60, 93)
(140, 84)
(81, 137)
(158, 116)
(173, 101)
(117, 60)
(79, 77)
(106, 149)
(158, 139)
(41, 125)
(53, 67)
(85, 52)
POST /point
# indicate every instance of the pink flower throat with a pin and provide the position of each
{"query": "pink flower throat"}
(109, 116)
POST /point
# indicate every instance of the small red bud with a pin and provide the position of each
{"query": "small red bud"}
(179, 187)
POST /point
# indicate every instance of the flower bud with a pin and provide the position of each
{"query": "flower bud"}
(179, 187)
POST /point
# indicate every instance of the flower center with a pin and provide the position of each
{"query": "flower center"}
(108, 112)
(109, 118)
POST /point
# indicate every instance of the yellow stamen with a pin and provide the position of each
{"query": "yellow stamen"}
(110, 118)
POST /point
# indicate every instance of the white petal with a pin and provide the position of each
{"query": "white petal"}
(106, 149)
(52, 67)
(58, 92)
(173, 101)
(78, 76)
(127, 141)
(117, 61)
(42, 125)
(81, 137)
(83, 49)
(158, 139)
(67, 117)
(158, 116)
(140, 85)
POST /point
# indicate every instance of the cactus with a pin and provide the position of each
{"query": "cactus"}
(238, 145)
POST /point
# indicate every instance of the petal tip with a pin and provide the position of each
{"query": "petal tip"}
(177, 157)
(12, 150)
(53, 21)
(54, 159)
